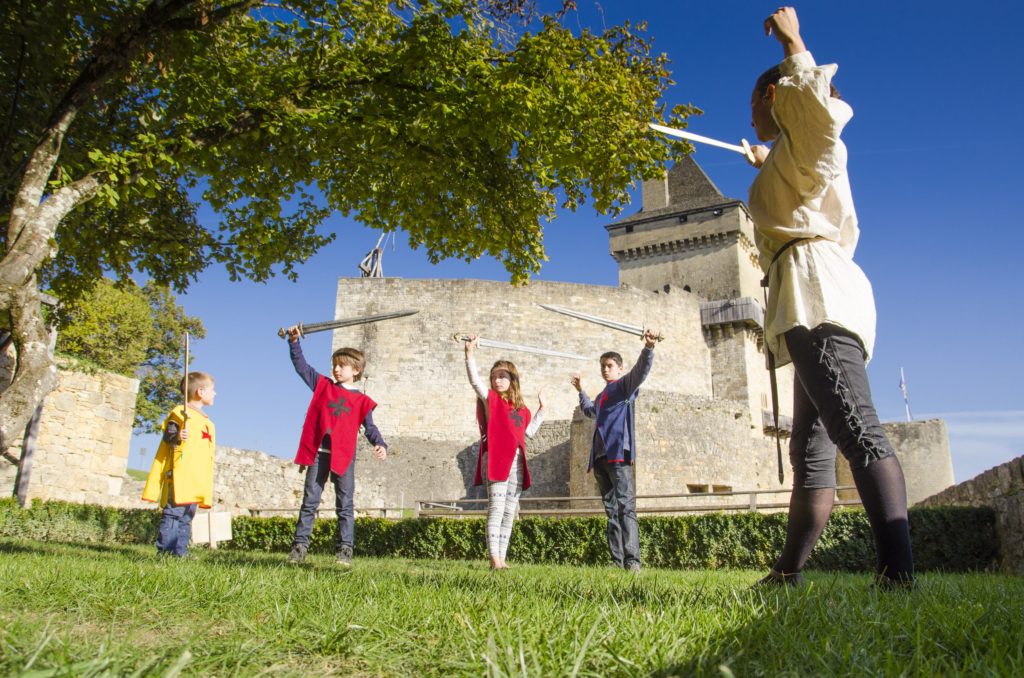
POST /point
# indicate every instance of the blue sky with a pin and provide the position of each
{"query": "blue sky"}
(935, 164)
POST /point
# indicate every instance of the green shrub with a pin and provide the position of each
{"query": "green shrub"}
(66, 521)
(951, 539)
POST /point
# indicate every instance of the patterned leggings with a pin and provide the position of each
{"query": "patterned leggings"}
(502, 502)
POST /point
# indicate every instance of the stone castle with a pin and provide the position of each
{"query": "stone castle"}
(687, 265)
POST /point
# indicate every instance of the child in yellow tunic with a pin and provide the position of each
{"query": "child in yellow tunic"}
(181, 478)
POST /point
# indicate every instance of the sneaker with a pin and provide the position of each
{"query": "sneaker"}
(344, 557)
(633, 567)
(779, 580)
(298, 554)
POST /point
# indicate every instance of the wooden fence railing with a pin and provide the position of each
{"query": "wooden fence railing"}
(687, 502)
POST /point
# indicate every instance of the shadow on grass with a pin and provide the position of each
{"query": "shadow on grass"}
(56, 548)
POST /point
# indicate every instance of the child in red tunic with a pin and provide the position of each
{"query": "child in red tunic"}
(328, 443)
(505, 423)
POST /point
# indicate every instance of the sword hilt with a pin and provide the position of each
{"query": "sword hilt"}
(747, 151)
(283, 333)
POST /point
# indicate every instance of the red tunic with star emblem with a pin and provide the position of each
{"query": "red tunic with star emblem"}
(335, 410)
(502, 432)
(183, 474)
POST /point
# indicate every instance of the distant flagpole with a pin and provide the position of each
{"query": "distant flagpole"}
(906, 397)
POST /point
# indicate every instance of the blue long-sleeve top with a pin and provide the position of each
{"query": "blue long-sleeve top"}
(615, 430)
(311, 377)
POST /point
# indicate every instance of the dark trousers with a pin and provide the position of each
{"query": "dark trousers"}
(832, 407)
(176, 529)
(344, 489)
(617, 484)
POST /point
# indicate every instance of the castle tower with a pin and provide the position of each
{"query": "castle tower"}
(689, 238)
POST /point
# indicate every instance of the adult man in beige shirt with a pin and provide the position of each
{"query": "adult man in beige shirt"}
(821, 312)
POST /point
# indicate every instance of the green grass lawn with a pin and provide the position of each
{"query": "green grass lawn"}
(89, 609)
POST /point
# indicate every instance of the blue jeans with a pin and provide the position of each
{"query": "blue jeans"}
(618, 491)
(344, 489)
(176, 529)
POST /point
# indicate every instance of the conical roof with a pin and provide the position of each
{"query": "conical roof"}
(688, 189)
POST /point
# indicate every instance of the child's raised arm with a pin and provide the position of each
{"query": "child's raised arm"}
(538, 417)
(302, 368)
(642, 368)
(474, 378)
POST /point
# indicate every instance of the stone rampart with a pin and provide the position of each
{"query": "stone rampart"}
(687, 445)
(416, 469)
(416, 371)
(923, 451)
(81, 453)
(1002, 489)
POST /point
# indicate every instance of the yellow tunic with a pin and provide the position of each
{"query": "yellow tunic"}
(192, 468)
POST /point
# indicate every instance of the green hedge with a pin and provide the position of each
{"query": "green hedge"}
(952, 539)
(65, 521)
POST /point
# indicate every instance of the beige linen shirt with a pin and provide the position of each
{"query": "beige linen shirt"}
(803, 191)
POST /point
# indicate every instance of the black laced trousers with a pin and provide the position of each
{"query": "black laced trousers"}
(832, 408)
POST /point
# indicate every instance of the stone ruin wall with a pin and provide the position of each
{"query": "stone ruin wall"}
(1001, 488)
(687, 444)
(416, 469)
(81, 452)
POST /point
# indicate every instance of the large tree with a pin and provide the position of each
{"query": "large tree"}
(462, 122)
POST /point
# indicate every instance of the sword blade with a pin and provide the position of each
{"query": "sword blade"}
(347, 322)
(622, 327)
(494, 343)
(690, 136)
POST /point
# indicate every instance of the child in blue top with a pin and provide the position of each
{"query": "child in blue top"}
(613, 450)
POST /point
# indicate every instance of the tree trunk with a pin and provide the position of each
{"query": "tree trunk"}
(28, 446)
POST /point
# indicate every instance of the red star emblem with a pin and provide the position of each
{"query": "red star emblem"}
(206, 434)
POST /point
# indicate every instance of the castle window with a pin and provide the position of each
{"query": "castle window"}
(629, 229)
(721, 488)
(682, 219)
(687, 288)
(718, 212)
(696, 489)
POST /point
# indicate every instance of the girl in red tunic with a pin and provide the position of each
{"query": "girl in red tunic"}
(505, 423)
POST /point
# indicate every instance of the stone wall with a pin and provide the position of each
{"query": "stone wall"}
(1001, 488)
(81, 453)
(687, 444)
(416, 469)
(923, 451)
(416, 371)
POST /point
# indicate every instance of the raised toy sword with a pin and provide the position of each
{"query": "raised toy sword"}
(345, 322)
(615, 325)
(743, 150)
(493, 343)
